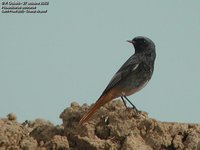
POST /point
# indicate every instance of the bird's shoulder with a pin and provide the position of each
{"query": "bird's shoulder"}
(131, 63)
(129, 66)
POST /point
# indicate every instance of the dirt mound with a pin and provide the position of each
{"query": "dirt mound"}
(112, 127)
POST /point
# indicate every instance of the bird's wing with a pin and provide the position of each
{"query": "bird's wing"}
(130, 65)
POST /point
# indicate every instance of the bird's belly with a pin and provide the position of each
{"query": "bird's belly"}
(132, 90)
(134, 82)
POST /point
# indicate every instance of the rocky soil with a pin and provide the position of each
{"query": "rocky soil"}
(113, 127)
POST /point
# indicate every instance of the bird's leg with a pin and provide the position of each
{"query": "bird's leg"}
(130, 103)
(124, 101)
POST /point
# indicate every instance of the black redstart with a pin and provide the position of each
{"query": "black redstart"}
(131, 77)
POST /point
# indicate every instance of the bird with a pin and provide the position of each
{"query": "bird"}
(133, 75)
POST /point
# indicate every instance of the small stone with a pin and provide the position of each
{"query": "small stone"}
(75, 104)
(12, 117)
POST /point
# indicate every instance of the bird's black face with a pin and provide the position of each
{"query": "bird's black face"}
(142, 43)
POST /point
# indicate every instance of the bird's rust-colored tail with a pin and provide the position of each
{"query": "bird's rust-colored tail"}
(100, 102)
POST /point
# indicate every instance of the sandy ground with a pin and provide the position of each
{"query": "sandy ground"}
(113, 127)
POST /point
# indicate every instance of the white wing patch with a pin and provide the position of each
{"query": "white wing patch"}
(135, 67)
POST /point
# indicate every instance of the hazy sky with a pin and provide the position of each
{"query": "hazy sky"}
(70, 54)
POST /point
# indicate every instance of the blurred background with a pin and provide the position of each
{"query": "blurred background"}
(70, 54)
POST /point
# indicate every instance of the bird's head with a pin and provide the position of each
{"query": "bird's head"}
(142, 44)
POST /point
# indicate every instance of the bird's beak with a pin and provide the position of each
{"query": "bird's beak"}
(131, 41)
